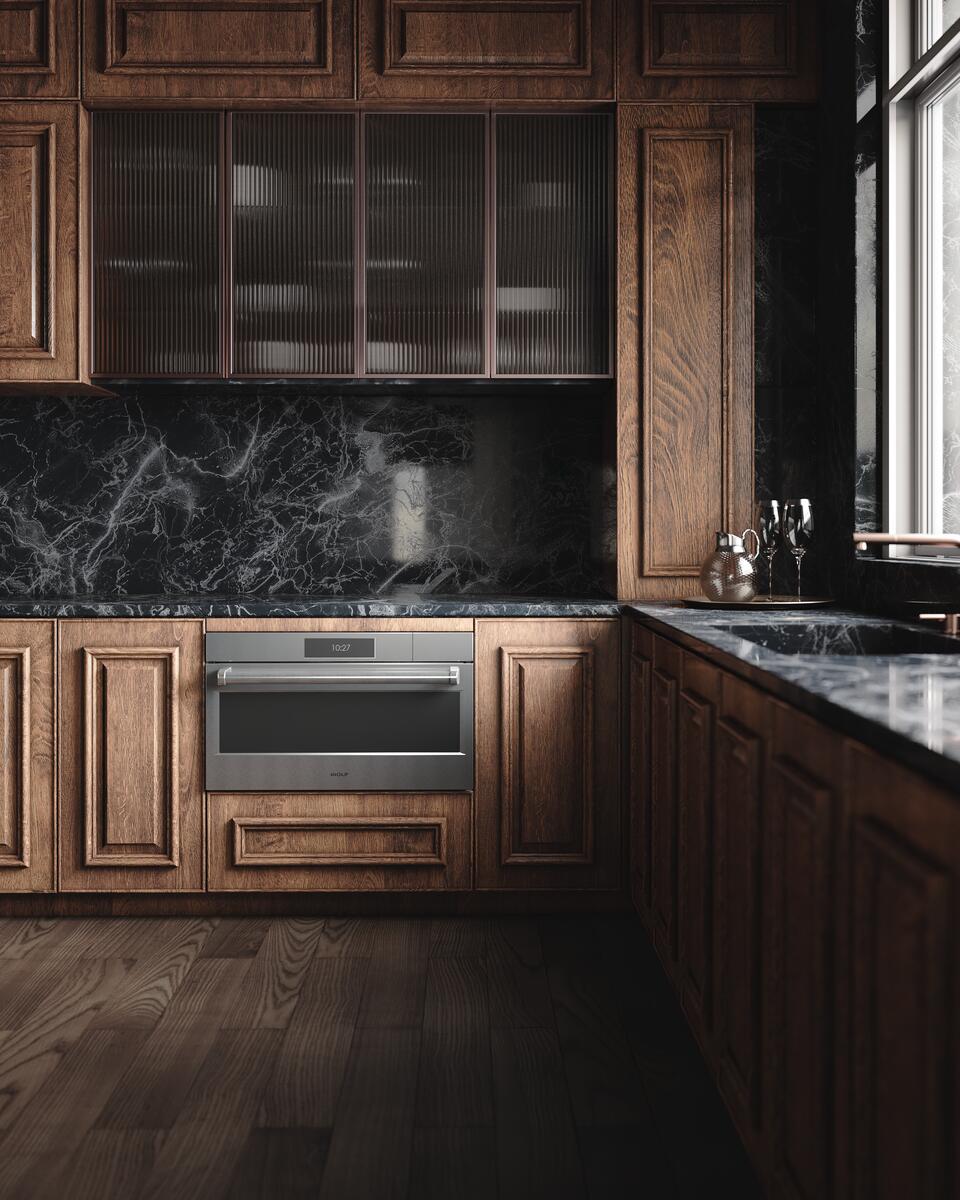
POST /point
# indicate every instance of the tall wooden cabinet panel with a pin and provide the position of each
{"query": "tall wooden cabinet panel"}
(664, 683)
(38, 49)
(900, 1021)
(800, 825)
(220, 50)
(42, 303)
(131, 771)
(27, 827)
(547, 798)
(640, 667)
(685, 339)
(757, 50)
(485, 49)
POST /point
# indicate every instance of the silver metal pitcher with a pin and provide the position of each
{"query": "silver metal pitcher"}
(729, 572)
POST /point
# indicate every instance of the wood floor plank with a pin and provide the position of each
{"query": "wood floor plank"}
(51, 1127)
(37, 935)
(236, 937)
(30, 1054)
(110, 1164)
(200, 1155)
(455, 1080)
(149, 987)
(152, 1092)
(280, 1164)
(537, 1156)
(371, 1145)
(459, 937)
(312, 1059)
(624, 1163)
(517, 978)
(454, 1164)
(397, 980)
(25, 981)
(131, 937)
(272, 987)
(347, 937)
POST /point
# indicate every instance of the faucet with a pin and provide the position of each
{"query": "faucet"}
(951, 621)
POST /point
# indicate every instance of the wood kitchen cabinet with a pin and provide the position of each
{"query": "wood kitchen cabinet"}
(484, 49)
(664, 684)
(547, 795)
(638, 757)
(754, 50)
(130, 747)
(27, 825)
(43, 309)
(685, 340)
(218, 50)
(38, 49)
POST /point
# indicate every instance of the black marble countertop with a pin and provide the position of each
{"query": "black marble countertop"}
(905, 705)
(394, 604)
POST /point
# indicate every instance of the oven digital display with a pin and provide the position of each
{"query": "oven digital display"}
(339, 647)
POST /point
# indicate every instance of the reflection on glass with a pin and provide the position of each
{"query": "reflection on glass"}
(944, 312)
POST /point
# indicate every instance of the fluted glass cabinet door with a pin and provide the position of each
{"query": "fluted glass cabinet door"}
(156, 243)
(293, 243)
(553, 244)
(425, 244)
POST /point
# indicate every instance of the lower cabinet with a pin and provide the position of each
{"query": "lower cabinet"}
(131, 769)
(27, 842)
(815, 893)
(353, 842)
(548, 754)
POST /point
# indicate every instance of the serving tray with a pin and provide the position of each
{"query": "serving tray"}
(760, 602)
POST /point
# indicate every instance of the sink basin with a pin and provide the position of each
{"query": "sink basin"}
(842, 639)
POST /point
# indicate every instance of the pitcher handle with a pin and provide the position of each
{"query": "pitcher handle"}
(756, 537)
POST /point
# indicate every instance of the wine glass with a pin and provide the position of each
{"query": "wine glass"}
(770, 536)
(798, 530)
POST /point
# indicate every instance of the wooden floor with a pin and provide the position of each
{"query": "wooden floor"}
(360, 1059)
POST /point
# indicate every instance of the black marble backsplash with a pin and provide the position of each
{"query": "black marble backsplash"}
(176, 489)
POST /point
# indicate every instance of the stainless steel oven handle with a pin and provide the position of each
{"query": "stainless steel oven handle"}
(230, 677)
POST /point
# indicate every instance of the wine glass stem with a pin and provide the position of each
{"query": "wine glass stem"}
(770, 557)
(799, 561)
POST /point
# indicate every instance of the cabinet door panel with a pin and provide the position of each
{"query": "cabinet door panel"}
(443, 49)
(156, 243)
(553, 244)
(293, 244)
(39, 210)
(547, 759)
(685, 359)
(424, 225)
(38, 48)
(639, 760)
(218, 49)
(663, 807)
(130, 770)
(695, 728)
(27, 850)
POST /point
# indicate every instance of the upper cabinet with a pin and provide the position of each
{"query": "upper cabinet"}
(487, 49)
(218, 49)
(38, 48)
(42, 304)
(761, 50)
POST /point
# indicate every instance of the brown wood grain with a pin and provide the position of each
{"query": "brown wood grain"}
(131, 804)
(638, 645)
(350, 841)
(685, 340)
(39, 49)
(486, 49)
(663, 803)
(547, 753)
(747, 50)
(218, 50)
(272, 988)
(27, 828)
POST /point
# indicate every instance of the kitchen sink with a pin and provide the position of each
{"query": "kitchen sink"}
(846, 639)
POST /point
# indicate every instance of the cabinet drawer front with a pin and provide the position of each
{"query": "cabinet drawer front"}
(357, 842)
(707, 39)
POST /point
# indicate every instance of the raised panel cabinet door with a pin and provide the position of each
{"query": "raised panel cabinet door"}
(218, 50)
(131, 776)
(685, 340)
(38, 49)
(487, 49)
(900, 1083)
(663, 809)
(548, 754)
(27, 843)
(750, 50)
(740, 752)
(41, 305)
(799, 913)
(639, 768)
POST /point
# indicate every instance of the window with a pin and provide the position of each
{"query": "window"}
(922, 270)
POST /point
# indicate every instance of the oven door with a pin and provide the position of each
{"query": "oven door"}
(339, 727)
